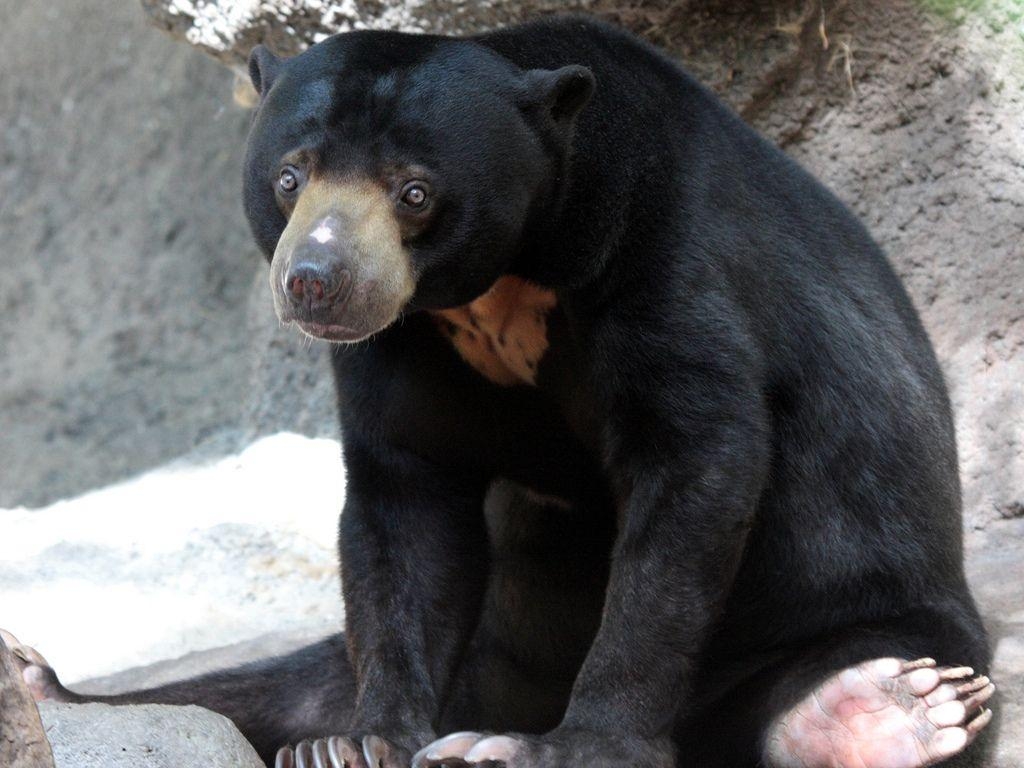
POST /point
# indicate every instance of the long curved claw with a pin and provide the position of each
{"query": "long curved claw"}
(956, 673)
(321, 758)
(974, 727)
(333, 752)
(344, 753)
(378, 753)
(451, 747)
(499, 749)
(910, 666)
(467, 748)
(304, 755)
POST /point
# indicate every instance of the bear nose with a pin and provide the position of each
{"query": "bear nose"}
(314, 283)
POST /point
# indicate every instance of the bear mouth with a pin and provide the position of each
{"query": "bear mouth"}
(330, 331)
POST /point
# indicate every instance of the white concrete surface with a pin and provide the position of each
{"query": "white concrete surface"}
(179, 559)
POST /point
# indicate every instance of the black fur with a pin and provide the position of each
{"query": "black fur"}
(739, 410)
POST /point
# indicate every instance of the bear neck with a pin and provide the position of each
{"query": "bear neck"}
(625, 166)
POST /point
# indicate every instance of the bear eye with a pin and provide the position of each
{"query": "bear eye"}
(288, 180)
(414, 194)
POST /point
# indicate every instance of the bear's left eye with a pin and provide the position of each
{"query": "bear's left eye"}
(414, 195)
(288, 179)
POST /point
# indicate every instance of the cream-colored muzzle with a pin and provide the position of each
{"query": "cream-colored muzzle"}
(346, 226)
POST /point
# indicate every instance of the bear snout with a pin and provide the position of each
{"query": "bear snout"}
(340, 271)
(316, 284)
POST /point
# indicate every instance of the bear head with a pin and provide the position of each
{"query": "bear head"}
(388, 172)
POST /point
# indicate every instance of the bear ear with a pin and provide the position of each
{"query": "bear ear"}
(564, 92)
(263, 68)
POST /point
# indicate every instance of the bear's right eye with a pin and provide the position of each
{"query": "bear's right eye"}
(414, 195)
(288, 180)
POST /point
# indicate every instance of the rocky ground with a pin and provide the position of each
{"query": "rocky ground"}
(81, 736)
(144, 385)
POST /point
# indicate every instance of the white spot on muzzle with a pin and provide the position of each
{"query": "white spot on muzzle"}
(322, 234)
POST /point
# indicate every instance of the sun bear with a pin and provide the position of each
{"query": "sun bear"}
(650, 461)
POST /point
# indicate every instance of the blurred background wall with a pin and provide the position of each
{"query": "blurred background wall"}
(137, 336)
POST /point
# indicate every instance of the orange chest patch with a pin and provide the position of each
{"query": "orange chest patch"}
(504, 333)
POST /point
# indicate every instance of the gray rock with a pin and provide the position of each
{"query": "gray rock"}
(22, 741)
(101, 736)
(996, 573)
(228, 30)
(750, 48)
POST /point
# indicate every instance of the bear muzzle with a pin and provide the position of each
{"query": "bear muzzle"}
(340, 271)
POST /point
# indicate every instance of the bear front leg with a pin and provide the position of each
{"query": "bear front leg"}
(687, 452)
(414, 562)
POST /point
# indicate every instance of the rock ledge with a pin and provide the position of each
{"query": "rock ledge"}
(151, 736)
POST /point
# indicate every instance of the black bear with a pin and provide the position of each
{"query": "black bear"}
(650, 461)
